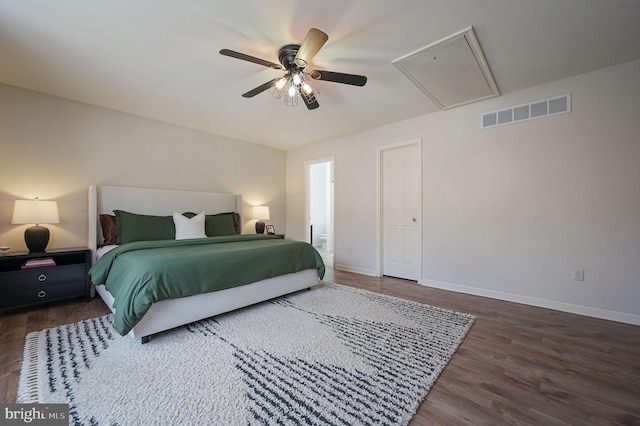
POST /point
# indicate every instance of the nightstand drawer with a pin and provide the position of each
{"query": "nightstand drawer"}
(41, 294)
(40, 276)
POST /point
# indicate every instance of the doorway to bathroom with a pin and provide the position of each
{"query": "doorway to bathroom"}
(319, 223)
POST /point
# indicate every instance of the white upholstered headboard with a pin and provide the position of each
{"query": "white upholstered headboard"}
(161, 202)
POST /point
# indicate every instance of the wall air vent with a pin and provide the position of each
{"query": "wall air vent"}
(451, 72)
(535, 109)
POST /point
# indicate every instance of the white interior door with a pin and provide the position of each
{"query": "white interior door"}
(401, 211)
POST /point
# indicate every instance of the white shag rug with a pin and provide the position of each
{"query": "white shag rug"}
(331, 355)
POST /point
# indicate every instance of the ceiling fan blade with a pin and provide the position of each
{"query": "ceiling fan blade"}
(259, 89)
(310, 101)
(311, 44)
(339, 77)
(242, 56)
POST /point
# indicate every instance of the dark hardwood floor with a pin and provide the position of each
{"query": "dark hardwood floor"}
(518, 364)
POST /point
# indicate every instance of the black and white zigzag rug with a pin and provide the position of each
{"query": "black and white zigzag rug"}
(332, 355)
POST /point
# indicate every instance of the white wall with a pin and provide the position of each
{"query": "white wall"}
(508, 212)
(54, 148)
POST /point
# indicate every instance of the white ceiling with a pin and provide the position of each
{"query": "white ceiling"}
(159, 58)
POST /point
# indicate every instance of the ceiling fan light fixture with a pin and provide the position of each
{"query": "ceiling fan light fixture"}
(292, 86)
(291, 96)
(307, 88)
(280, 83)
(280, 87)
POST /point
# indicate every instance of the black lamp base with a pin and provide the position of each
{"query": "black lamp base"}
(37, 238)
(260, 227)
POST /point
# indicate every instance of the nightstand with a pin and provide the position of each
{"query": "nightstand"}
(68, 278)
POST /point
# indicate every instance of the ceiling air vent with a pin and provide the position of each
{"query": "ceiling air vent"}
(451, 72)
(535, 109)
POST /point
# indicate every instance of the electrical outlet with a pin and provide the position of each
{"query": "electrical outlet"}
(350, 249)
(578, 274)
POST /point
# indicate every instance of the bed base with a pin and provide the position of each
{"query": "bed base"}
(169, 314)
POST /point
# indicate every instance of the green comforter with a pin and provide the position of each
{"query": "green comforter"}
(141, 273)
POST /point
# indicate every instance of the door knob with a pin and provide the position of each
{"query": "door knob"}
(414, 220)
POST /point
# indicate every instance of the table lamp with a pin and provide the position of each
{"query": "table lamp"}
(36, 212)
(261, 213)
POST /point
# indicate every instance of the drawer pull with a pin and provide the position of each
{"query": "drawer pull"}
(42, 277)
(42, 293)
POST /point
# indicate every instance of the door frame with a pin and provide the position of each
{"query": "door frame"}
(307, 164)
(379, 206)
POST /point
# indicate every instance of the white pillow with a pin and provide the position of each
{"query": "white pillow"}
(189, 228)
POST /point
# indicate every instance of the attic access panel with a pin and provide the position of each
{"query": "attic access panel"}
(451, 72)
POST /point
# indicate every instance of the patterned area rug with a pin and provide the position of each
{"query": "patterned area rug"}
(331, 355)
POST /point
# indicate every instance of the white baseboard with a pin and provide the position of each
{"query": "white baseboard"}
(534, 301)
(360, 271)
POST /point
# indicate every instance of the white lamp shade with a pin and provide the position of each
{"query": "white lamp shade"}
(261, 212)
(35, 211)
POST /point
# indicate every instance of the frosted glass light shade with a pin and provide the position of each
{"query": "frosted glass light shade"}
(35, 211)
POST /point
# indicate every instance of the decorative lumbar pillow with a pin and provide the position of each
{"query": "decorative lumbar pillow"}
(139, 227)
(189, 227)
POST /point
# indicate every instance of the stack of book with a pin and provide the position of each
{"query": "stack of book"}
(39, 263)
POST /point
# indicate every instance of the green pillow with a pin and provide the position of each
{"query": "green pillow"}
(139, 227)
(220, 224)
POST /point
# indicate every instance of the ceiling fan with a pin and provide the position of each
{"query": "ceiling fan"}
(294, 59)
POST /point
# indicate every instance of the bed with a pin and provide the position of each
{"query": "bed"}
(166, 314)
